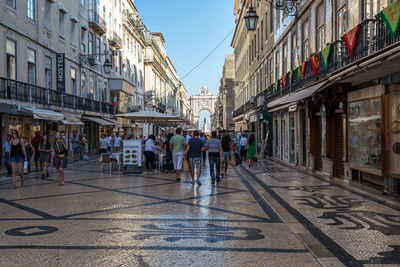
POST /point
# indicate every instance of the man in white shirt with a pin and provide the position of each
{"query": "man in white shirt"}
(109, 138)
(243, 144)
(117, 143)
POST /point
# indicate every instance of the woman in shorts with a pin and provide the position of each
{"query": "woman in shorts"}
(59, 157)
(17, 158)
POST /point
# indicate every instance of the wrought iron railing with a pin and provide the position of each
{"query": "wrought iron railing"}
(23, 92)
(95, 17)
(372, 37)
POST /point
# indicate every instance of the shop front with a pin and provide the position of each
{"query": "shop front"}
(93, 128)
(374, 136)
(366, 128)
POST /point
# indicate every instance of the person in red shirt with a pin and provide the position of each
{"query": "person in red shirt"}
(36, 143)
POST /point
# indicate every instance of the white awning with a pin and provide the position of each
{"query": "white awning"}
(70, 119)
(116, 123)
(44, 114)
(99, 121)
(296, 96)
(151, 117)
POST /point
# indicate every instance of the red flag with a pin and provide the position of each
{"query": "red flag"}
(284, 81)
(350, 39)
(303, 70)
(315, 64)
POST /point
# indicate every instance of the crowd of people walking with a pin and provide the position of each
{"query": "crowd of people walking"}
(184, 150)
(174, 152)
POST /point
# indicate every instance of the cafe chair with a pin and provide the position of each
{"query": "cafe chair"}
(106, 159)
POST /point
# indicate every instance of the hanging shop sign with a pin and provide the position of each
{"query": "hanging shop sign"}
(253, 118)
(60, 68)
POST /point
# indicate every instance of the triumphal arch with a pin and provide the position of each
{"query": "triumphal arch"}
(203, 101)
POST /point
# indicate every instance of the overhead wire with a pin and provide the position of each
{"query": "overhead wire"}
(201, 62)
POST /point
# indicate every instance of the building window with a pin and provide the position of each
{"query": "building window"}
(271, 71)
(277, 60)
(278, 18)
(365, 143)
(90, 47)
(293, 62)
(31, 9)
(367, 5)
(73, 81)
(12, 3)
(82, 2)
(83, 46)
(320, 27)
(48, 15)
(31, 66)
(266, 75)
(48, 72)
(266, 25)
(305, 46)
(284, 59)
(98, 48)
(61, 24)
(83, 84)
(341, 21)
(73, 33)
(271, 19)
(262, 35)
(11, 50)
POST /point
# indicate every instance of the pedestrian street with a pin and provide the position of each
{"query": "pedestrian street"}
(103, 219)
(335, 220)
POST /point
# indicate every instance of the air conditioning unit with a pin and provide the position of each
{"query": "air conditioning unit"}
(252, 99)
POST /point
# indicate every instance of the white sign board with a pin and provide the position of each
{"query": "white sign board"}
(132, 156)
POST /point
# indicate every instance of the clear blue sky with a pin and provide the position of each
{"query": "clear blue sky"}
(192, 29)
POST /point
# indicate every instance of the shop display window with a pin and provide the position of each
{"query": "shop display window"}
(365, 135)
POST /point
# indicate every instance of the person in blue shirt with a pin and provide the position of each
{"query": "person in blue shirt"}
(6, 154)
(204, 139)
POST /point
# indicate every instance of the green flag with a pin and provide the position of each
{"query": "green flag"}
(325, 55)
(391, 16)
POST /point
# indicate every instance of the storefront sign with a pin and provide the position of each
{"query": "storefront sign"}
(60, 65)
(253, 118)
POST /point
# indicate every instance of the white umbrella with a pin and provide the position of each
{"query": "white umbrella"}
(152, 117)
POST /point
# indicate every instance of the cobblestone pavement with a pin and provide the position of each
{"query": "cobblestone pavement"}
(357, 228)
(103, 219)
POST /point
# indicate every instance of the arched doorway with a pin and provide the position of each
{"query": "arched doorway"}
(204, 118)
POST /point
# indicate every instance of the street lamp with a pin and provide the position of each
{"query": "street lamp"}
(225, 90)
(107, 66)
(86, 59)
(290, 7)
(251, 19)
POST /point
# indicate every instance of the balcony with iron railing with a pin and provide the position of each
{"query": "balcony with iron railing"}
(96, 22)
(115, 40)
(372, 38)
(32, 94)
(128, 20)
